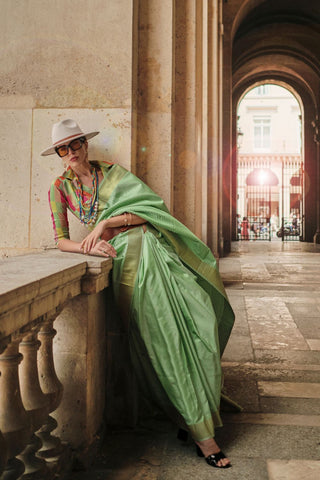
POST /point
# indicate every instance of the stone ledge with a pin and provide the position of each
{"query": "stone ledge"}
(35, 284)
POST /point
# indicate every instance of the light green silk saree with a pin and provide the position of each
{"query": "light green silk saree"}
(167, 285)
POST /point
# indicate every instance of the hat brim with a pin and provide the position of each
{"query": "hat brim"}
(51, 150)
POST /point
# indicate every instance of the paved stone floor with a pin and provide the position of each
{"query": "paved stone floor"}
(271, 367)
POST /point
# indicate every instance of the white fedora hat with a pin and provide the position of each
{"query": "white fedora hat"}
(64, 132)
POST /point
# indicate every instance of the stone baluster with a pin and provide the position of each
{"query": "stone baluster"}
(14, 420)
(36, 404)
(52, 450)
(3, 452)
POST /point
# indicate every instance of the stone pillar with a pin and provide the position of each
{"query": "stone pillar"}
(201, 133)
(14, 420)
(225, 173)
(152, 119)
(176, 146)
(214, 124)
(316, 126)
(185, 154)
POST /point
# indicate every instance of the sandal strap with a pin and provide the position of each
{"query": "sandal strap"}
(217, 456)
(214, 458)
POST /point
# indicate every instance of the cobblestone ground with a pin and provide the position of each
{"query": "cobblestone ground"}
(272, 369)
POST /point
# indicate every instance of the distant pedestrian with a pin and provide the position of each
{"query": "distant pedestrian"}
(254, 230)
(245, 229)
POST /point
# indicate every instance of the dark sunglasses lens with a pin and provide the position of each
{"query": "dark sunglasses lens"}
(76, 144)
(62, 151)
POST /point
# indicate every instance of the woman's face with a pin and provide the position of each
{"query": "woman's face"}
(77, 158)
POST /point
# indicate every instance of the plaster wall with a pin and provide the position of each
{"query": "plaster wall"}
(144, 73)
(59, 60)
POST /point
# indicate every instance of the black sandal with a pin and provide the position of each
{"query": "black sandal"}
(214, 458)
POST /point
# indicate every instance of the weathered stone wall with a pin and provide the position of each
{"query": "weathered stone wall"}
(145, 73)
(59, 60)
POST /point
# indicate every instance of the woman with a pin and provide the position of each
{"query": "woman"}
(245, 229)
(164, 279)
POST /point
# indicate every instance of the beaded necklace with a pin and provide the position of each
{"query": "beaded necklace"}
(90, 217)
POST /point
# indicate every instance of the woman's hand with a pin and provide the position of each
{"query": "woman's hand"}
(92, 239)
(103, 249)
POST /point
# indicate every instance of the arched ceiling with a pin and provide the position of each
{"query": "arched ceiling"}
(277, 38)
(297, 12)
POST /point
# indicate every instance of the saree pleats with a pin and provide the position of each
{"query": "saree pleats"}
(122, 192)
(173, 330)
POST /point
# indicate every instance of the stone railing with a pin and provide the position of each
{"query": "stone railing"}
(39, 376)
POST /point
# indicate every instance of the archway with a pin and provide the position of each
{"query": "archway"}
(274, 42)
(270, 186)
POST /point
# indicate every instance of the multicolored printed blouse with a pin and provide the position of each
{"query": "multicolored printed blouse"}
(62, 196)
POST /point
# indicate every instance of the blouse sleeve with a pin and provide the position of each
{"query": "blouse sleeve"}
(58, 207)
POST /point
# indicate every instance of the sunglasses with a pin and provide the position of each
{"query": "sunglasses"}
(76, 144)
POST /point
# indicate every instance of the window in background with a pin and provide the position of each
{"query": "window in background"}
(262, 90)
(262, 133)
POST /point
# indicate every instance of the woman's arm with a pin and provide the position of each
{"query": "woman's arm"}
(102, 248)
(58, 206)
(124, 220)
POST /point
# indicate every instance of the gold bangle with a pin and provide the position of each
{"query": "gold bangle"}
(130, 220)
(125, 220)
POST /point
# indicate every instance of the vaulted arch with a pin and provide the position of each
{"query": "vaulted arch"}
(276, 41)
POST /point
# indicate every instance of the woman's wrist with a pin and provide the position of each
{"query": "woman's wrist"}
(105, 223)
(127, 219)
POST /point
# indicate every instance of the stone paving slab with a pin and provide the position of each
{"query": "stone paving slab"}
(293, 406)
(293, 470)
(287, 389)
(272, 326)
(314, 344)
(273, 419)
(286, 356)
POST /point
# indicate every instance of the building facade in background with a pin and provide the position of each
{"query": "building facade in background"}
(270, 178)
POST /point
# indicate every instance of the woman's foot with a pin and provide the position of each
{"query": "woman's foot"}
(213, 454)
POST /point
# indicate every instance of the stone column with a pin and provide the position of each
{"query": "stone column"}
(152, 76)
(175, 142)
(214, 124)
(225, 173)
(186, 115)
(14, 420)
(316, 126)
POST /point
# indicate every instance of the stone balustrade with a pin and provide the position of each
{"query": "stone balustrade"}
(52, 380)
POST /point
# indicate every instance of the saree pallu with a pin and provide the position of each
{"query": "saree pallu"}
(167, 285)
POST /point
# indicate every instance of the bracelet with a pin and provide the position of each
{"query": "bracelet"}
(126, 222)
